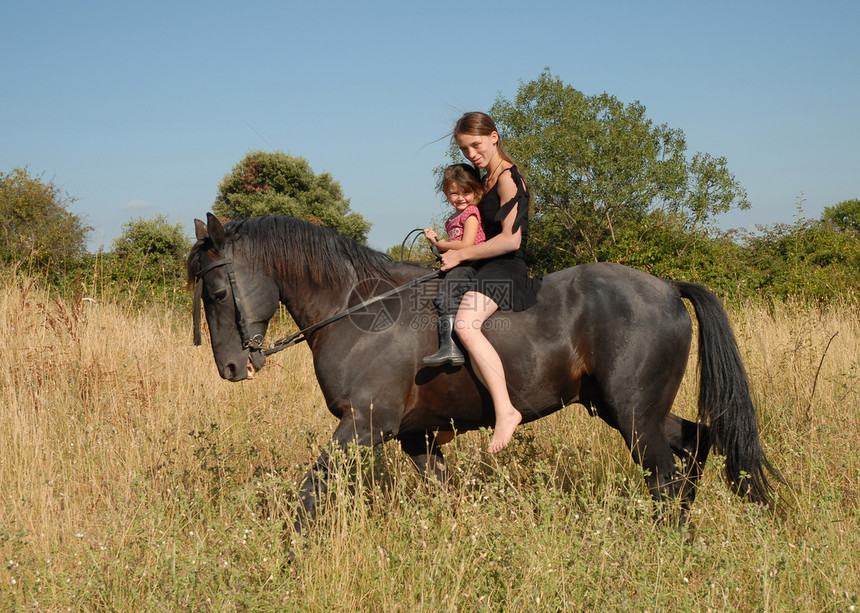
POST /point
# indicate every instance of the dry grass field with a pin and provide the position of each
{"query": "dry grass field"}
(133, 478)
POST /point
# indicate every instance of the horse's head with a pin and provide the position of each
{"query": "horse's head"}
(238, 299)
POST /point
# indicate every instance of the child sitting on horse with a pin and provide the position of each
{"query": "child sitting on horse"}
(462, 186)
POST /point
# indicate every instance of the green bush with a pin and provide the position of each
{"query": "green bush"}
(37, 232)
(808, 259)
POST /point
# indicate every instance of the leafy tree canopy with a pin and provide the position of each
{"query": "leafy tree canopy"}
(845, 215)
(279, 184)
(36, 228)
(595, 164)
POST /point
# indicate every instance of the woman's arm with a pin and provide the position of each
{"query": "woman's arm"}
(506, 242)
(470, 233)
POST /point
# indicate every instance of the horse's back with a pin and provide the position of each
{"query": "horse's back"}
(606, 279)
(591, 323)
(607, 294)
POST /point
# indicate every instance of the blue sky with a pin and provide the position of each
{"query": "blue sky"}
(140, 109)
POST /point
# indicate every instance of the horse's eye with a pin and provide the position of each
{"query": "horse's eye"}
(221, 295)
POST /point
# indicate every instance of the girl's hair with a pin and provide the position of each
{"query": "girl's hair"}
(476, 123)
(461, 175)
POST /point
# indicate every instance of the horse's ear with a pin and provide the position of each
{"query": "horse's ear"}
(201, 230)
(216, 231)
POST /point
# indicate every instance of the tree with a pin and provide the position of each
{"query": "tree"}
(276, 183)
(36, 228)
(845, 215)
(153, 244)
(595, 164)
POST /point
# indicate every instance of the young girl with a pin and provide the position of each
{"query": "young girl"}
(499, 262)
(461, 184)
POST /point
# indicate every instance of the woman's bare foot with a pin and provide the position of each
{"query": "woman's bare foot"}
(506, 423)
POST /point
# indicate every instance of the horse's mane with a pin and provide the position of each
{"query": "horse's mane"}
(291, 248)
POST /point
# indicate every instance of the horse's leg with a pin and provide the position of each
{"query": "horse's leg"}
(651, 451)
(648, 445)
(425, 453)
(690, 442)
(314, 486)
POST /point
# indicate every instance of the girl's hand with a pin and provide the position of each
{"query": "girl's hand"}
(431, 235)
(450, 259)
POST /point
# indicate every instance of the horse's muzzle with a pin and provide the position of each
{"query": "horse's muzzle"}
(256, 360)
(237, 370)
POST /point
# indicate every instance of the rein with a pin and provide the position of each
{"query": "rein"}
(255, 343)
(418, 232)
(301, 335)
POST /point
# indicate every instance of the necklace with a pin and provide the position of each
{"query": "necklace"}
(493, 172)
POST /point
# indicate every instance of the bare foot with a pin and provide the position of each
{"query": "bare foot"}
(506, 423)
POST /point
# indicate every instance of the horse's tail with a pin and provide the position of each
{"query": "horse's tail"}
(725, 401)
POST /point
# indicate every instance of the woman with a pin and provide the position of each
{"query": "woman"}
(501, 276)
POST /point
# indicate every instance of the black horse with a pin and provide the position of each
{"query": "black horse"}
(611, 338)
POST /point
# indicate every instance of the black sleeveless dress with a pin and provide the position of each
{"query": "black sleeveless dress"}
(505, 278)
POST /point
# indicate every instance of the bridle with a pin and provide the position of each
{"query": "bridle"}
(248, 341)
(255, 343)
